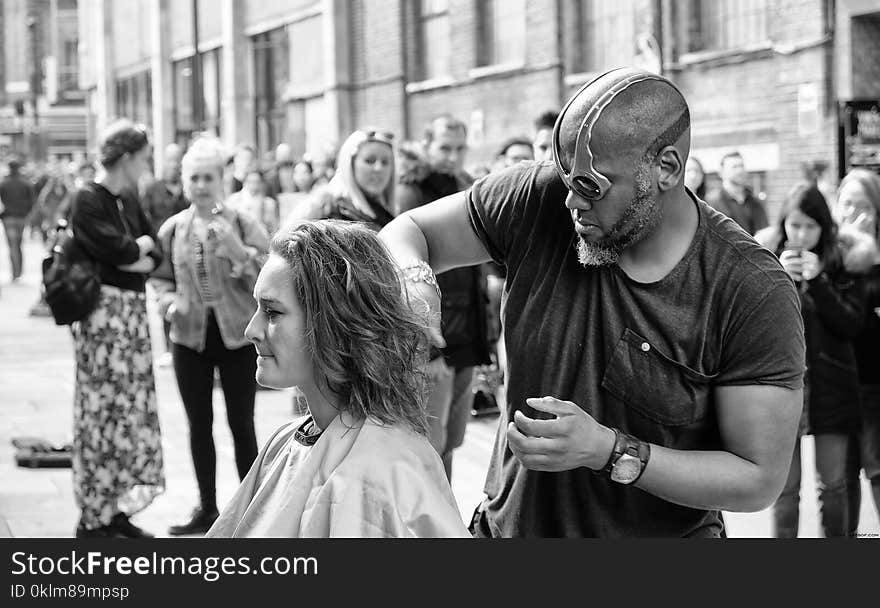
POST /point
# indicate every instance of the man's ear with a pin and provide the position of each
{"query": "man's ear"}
(671, 165)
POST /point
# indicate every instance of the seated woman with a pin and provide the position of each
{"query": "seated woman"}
(334, 321)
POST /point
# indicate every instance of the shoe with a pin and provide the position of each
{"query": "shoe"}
(124, 526)
(40, 309)
(200, 522)
(484, 404)
(164, 360)
(100, 532)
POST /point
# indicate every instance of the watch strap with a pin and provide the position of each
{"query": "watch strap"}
(627, 444)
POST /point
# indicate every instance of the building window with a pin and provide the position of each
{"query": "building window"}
(184, 122)
(502, 29)
(271, 75)
(434, 50)
(605, 35)
(717, 25)
(134, 97)
(184, 112)
(211, 92)
(68, 43)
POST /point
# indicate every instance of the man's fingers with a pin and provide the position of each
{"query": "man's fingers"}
(538, 428)
(552, 405)
(523, 445)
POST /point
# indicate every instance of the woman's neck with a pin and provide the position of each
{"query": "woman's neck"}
(322, 408)
(113, 181)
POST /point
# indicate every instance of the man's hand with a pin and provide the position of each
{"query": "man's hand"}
(573, 439)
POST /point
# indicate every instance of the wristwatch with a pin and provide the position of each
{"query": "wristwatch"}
(628, 458)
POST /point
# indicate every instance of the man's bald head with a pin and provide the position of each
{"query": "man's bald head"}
(633, 114)
(173, 153)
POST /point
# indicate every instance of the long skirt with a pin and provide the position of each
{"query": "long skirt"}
(117, 448)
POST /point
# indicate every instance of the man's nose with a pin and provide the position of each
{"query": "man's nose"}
(575, 202)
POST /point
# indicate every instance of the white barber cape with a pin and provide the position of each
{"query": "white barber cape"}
(359, 479)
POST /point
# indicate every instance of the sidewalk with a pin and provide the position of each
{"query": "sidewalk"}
(36, 388)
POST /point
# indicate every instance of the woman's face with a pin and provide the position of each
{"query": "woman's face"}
(302, 177)
(693, 175)
(372, 167)
(802, 231)
(254, 184)
(278, 329)
(853, 202)
(202, 182)
(135, 164)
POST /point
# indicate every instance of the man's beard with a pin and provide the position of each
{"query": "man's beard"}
(640, 218)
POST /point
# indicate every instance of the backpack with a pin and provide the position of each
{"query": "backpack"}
(71, 282)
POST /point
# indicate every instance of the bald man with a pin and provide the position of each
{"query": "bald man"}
(655, 351)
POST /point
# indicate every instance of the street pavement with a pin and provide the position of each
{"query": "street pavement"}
(36, 396)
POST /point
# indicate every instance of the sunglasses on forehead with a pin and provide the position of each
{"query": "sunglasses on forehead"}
(386, 137)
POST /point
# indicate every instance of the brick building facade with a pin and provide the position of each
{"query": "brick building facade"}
(765, 77)
(42, 109)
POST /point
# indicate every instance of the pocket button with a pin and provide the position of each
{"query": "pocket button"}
(646, 347)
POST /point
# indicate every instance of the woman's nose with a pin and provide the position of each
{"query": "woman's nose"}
(251, 332)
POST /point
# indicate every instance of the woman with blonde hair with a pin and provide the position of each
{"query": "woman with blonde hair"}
(214, 256)
(334, 320)
(362, 189)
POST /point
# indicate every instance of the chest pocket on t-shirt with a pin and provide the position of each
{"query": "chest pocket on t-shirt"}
(655, 385)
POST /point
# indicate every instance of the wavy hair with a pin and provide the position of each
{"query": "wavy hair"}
(365, 340)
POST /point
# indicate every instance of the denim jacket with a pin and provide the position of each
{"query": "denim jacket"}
(231, 284)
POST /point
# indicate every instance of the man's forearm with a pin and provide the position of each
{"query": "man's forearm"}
(709, 480)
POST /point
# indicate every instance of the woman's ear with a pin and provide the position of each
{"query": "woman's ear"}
(671, 165)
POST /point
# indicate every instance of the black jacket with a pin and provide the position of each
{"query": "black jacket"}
(97, 223)
(833, 307)
(464, 300)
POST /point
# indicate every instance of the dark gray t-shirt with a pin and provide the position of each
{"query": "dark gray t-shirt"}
(640, 357)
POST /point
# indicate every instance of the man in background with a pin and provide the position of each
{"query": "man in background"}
(735, 199)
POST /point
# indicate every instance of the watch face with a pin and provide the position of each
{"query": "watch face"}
(626, 469)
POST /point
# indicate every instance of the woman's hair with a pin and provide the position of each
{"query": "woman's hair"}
(343, 183)
(701, 189)
(306, 163)
(257, 171)
(807, 199)
(206, 149)
(365, 340)
(120, 138)
(870, 183)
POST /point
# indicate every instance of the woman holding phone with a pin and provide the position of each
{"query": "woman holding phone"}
(806, 241)
(205, 285)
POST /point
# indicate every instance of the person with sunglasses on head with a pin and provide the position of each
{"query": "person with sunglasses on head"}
(117, 448)
(655, 351)
(465, 341)
(362, 189)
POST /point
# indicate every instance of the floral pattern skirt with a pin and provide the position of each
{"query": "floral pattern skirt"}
(117, 448)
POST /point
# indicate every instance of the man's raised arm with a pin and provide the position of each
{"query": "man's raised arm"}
(440, 233)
